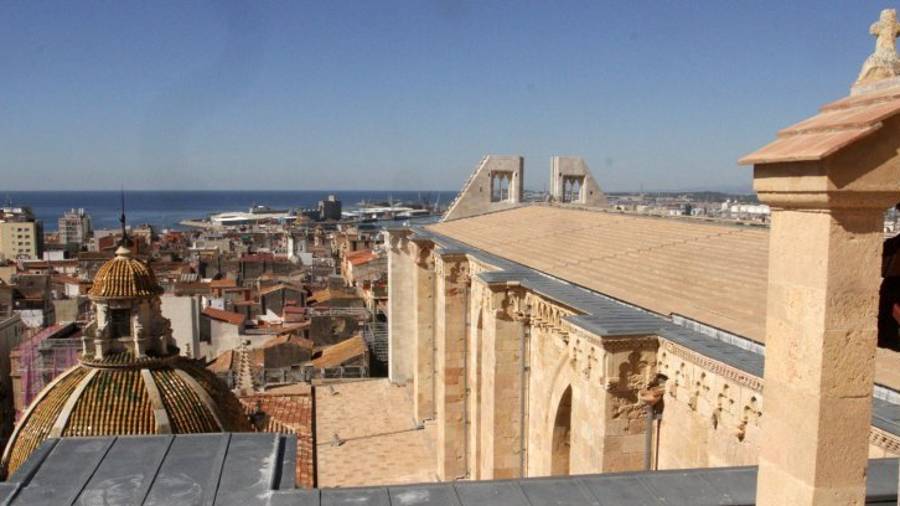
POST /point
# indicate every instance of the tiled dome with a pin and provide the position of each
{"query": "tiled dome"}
(121, 395)
(124, 277)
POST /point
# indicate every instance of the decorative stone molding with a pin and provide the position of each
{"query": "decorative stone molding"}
(453, 267)
(630, 343)
(884, 440)
(423, 253)
(883, 63)
(398, 239)
(714, 366)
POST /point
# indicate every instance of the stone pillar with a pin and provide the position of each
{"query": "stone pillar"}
(423, 294)
(501, 399)
(401, 307)
(824, 273)
(629, 365)
(451, 300)
(829, 180)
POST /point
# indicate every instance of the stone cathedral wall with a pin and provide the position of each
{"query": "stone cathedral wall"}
(515, 388)
(712, 413)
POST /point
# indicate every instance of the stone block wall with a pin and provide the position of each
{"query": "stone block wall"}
(401, 307)
(475, 196)
(712, 412)
(497, 365)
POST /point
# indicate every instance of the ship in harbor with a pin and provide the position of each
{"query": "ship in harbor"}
(256, 214)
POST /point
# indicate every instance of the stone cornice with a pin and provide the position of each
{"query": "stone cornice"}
(726, 371)
(877, 437)
(828, 199)
(884, 440)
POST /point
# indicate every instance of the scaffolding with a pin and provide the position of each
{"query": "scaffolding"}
(359, 313)
(376, 336)
(41, 358)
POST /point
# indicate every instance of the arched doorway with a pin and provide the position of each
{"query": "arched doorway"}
(562, 435)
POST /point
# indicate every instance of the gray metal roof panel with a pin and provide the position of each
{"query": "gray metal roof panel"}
(494, 493)
(881, 481)
(370, 496)
(191, 470)
(249, 470)
(298, 497)
(7, 490)
(620, 489)
(686, 488)
(423, 495)
(123, 479)
(886, 416)
(196, 466)
(561, 491)
(64, 472)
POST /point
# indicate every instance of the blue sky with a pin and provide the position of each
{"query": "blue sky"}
(409, 95)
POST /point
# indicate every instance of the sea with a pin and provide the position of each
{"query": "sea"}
(165, 209)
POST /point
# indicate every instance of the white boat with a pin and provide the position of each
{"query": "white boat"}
(254, 215)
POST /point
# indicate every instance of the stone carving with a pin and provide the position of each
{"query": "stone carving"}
(632, 373)
(715, 367)
(626, 405)
(700, 389)
(883, 63)
(589, 363)
(455, 270)
(423, 254)
(751, 415)
(884, 440)
(506, 304)
(613, 345)
(398, 240)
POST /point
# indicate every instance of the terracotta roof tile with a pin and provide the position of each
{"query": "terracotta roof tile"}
(124, 277)
(223, 363)
(62, 278)
(276, 288)
(289, 338)
(223, 283)
(365, 258)
(225, 316)
(290, 413)
(115, 401)
(838, 125)
(807, 147)
(342, 352)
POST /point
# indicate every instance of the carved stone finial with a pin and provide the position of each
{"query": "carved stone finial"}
(883, 63)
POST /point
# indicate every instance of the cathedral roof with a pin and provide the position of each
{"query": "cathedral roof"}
(121, 395)
(714, 273)
(124, 277)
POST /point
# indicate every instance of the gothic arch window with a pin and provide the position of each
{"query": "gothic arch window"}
(562, 435)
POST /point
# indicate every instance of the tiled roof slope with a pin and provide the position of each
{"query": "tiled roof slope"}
(125, 277)
(708, 272)
(225, 316)
(338, 354)
(290, 414)
(115, 400)
(837, 125)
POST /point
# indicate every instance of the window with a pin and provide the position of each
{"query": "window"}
(119, 323)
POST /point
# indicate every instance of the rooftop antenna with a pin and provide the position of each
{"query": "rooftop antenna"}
(124, 241)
